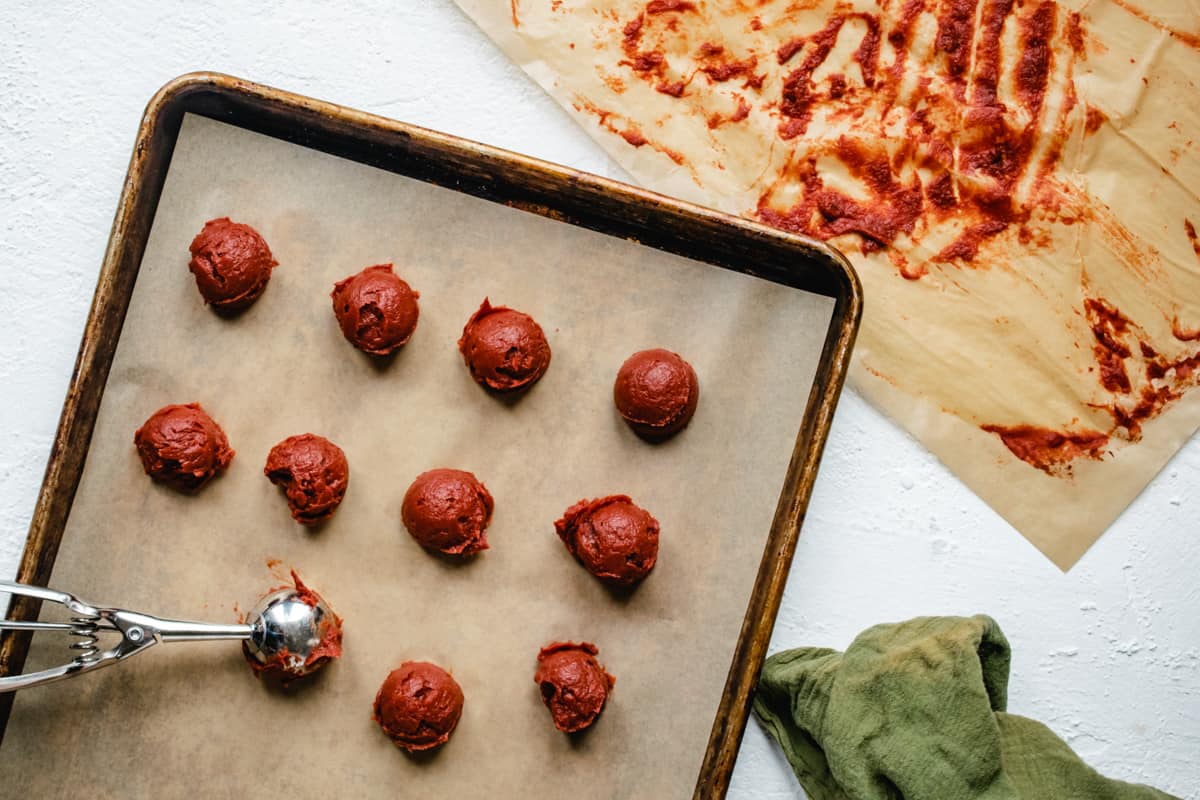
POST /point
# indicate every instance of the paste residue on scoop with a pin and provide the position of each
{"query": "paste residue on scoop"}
(573, 684)
(231, 263)
(448, 510)
(504, 349)
(183, 447)
(284, 667)
(376, 310)
(611, 537)
(418, 706)
(314, 474)
(656, 392)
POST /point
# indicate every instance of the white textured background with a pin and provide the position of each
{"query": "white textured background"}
(1107, 655)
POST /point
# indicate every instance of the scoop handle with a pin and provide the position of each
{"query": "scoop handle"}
(40, 592)
(173, 630)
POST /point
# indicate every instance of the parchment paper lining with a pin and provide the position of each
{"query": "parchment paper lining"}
(183, 720)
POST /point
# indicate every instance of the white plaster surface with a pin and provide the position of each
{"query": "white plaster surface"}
(1107, 655)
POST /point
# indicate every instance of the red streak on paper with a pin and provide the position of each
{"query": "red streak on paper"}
(632, 34)
(1152, 402)
(743, 111)
(666, 6)
(867, 54)
(1108, 324)
(899, 37)
(912, 273)
(1166, 381)
(675, 89)
(1033, 66)
(629, 132)
(722, 72)
(515, 20)
(955, 34)
(647, 62)
(634, 137)
(940, 191)
(614, 82)
(798, 95)
(1184, 334)
(641, 61)
(719, 70)
(1049, 450)
(966, 246)
(1095, 119)
(893, 209)
(1075, 33)
(740, 113)
(789, 48)
(1190, 230)
(986, 73)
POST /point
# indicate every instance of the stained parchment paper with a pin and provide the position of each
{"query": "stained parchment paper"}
(954, 350)
(190, 720)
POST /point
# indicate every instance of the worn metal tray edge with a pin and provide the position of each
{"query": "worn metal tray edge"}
(495, 174)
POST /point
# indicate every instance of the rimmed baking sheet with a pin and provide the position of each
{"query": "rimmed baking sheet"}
(184, 718)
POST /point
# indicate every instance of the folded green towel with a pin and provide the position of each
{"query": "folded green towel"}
(915, 711)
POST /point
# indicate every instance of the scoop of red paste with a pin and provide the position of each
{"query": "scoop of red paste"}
(448, 510)
(614, 539)
(231, 263)
(313, 472)
(505, 350)
(418, 706)
(656, 392)
(181, 446)
(573, 684)
(284, 667)
(376, 310)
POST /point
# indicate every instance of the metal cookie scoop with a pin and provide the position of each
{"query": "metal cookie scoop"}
(284, 627)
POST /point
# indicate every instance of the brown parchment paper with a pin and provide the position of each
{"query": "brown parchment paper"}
(191, 721)
(953, 349)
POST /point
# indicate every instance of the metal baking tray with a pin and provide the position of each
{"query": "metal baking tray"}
(556, 193)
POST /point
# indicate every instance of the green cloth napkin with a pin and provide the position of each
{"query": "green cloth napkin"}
(915, 711)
